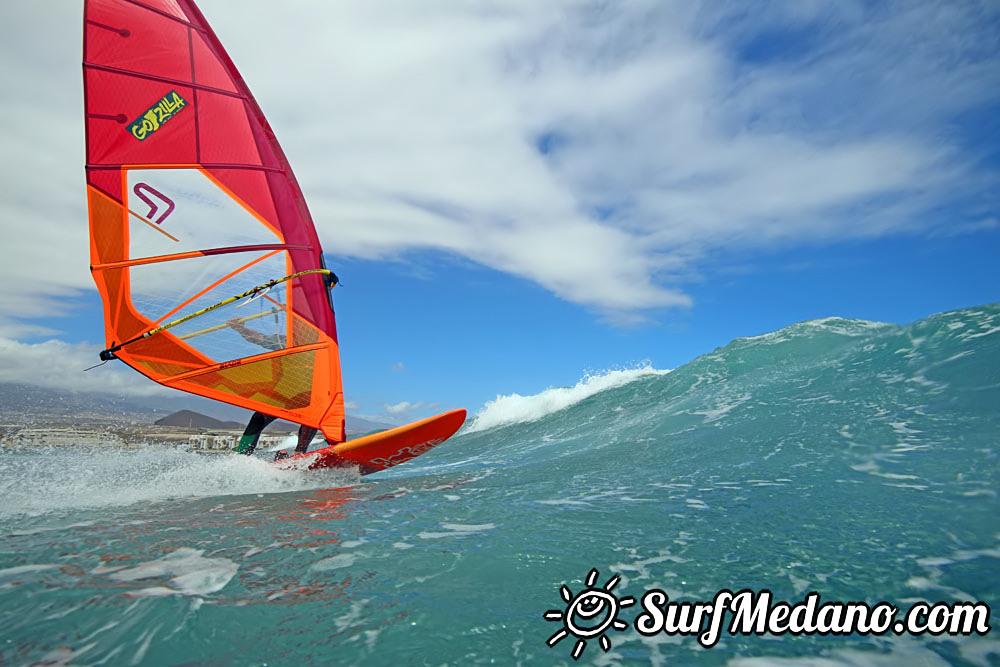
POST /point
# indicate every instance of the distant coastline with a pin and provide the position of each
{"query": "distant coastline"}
(184, 428)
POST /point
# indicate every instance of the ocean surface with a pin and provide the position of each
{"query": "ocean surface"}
(854, 459)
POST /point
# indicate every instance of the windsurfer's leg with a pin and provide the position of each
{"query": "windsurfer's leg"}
(248, 441)
(306, 435)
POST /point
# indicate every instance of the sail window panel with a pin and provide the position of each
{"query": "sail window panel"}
(164, 289)
(158, 289)
(181, 210)
(217, 334)
(249, 327)
(250, 187)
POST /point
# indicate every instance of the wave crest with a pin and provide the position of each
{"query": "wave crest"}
(515, 409)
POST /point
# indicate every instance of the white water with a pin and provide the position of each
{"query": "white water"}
(188, 572)
(63, 479)
(514, 408)
(56, 479)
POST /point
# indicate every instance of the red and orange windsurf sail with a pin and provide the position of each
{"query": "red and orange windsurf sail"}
(192, 202)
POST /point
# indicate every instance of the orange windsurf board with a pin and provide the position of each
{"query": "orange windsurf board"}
(384, 449)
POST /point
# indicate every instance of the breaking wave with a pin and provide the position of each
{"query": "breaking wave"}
(514, 408)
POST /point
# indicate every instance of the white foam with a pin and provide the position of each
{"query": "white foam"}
(41, 482)
(288, 442)
(468, 527)
(19, 570)
(189, 571)
(334, 562)
(514, 408)
(722, 407)
(902, 651)
(988, 332)
(456, 530)
(837, 325)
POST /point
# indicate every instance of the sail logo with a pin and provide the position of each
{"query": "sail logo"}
(165, 108)
(155, 200)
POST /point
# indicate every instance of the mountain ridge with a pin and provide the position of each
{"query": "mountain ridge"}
(34, 404)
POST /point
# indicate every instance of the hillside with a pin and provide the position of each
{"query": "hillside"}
(191, 419)
(26, 404)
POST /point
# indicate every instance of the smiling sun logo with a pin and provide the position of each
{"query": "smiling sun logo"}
(588, 614)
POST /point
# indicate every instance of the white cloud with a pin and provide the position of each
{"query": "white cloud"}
(404, 408)
(399, 367)
(598, 149)
(54, 364)
(43, 215)
(401, 408)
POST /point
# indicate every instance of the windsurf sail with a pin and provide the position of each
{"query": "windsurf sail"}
(201, 245)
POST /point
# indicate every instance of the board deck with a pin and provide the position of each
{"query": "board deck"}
(384, 449)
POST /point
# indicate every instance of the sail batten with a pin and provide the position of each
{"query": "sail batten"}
(209, 166)
(152, 77)
(197, 253)
(192, 201)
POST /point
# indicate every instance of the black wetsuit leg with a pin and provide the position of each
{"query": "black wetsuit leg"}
(306, 435)
(248, 441)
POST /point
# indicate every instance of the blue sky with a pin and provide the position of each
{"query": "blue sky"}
(516, 194)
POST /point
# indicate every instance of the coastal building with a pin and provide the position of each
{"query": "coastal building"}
(67, 436)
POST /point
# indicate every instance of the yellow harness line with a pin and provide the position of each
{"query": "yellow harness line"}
(110, 352)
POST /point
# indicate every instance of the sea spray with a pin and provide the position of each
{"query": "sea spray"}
(515, 408)
(61, 479)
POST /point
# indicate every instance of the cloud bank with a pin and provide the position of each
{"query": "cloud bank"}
(57, 365)
(560, 141)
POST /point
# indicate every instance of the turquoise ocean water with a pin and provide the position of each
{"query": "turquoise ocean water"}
(854, 459)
